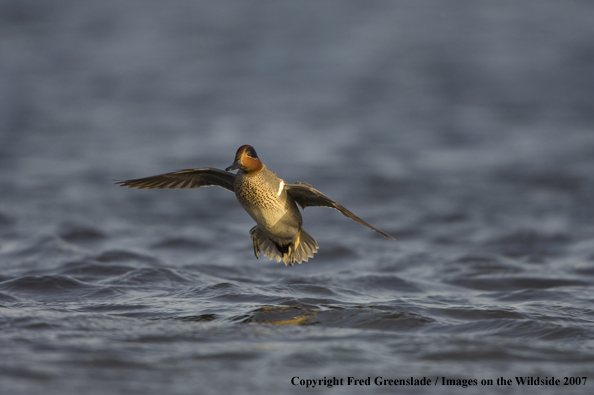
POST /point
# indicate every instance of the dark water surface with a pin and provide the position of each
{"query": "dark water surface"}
(464, 129)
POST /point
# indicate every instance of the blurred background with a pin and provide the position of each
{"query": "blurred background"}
(463, 128)
(92, 92)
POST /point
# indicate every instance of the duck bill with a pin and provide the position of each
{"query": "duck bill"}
(236, 165)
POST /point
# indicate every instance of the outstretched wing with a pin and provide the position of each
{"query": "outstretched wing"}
(184, 179)
(305, 195)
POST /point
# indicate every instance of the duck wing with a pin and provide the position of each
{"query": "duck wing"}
(305, 195)
(184, 179)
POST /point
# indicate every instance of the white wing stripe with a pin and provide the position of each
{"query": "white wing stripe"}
(280, 188)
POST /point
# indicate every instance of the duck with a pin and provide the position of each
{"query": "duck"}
(268, 199)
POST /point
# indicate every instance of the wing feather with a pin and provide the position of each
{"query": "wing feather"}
(305, 195)
(184, 179)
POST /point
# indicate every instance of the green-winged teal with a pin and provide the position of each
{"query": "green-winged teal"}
(269, 200)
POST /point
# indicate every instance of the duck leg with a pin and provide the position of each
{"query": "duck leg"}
(255, 240)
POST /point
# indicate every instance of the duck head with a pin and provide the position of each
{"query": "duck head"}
(246, 160)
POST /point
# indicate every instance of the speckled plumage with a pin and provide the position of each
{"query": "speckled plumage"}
(269, 200)
(276, 213)
(277, 233)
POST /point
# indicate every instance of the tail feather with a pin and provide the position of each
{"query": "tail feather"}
(298, 250)
(306, 248)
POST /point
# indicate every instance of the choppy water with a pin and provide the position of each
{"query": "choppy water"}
(464, 129)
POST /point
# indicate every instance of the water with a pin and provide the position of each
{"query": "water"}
(464, 129)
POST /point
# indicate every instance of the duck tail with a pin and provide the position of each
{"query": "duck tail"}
(305, 247)
(300, 249)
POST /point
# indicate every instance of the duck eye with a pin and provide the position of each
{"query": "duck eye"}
(251, 152)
